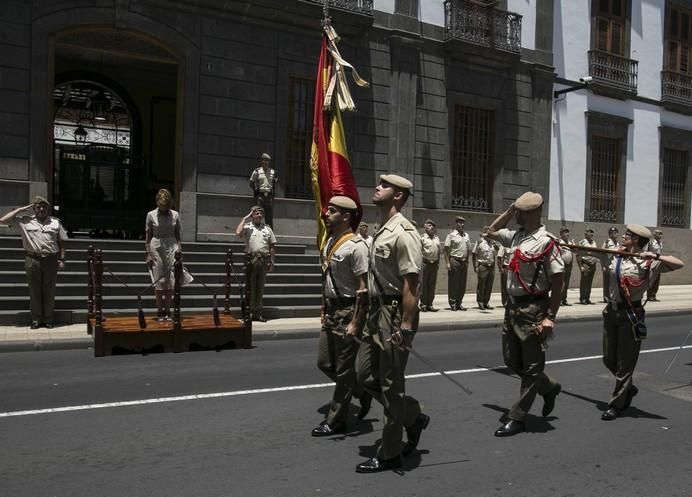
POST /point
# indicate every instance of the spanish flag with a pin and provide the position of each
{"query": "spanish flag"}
(330, 168)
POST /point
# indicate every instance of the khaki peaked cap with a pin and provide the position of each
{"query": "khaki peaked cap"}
(460, 218)
(256, 208)
(528, 201)
(430, 221)
(39, 199)
(639, 230)
(266, 156)
(398, 181)
(343, 202)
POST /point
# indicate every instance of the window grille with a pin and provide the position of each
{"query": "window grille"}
(472, 159)
(606, 157)
(674, 188)
(299, 140)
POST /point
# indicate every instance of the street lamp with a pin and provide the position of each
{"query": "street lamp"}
(99, 105)
(80, 136)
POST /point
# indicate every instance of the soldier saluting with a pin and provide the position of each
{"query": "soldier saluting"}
(345, 271)
(534, 284)
(262, 181)
(393, 280)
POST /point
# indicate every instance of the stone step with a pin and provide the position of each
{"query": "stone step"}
(72, 277)
(138, 256)
(115, 289)
(195, 301)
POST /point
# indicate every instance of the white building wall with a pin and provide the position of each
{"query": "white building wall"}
(572, 35)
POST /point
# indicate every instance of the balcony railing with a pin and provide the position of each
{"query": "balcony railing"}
(359, 6)
(613, 71)
(482, 25)
(676, 88)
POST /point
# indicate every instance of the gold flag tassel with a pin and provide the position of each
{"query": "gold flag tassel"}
(338, 84)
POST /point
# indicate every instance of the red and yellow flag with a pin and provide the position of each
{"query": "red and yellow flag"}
(330, 168)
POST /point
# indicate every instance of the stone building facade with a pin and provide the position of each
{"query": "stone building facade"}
(188, 94)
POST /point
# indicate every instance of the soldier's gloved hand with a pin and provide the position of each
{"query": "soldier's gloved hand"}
(402, 339)
(150, 261)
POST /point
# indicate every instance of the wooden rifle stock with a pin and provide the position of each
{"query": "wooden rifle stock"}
(597, 250)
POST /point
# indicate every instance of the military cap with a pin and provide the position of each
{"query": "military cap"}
(613, 229)
(343, 202)
(363, 225)
(639, 230)
(589, 230)
(257, 208)
(266, 156)
(564, 229)
(460, 218)
(528, 201)
(658, 232)
(398, 181)
(39, 199)
(430, 221)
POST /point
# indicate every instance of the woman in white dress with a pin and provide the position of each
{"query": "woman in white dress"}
(161, 242)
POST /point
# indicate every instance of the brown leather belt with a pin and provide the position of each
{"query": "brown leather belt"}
(40, 257)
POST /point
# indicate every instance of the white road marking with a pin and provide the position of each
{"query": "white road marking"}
(201, 396)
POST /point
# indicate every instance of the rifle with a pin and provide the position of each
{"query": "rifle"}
(599, 250)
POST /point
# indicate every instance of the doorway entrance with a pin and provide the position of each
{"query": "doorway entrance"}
(114, 130)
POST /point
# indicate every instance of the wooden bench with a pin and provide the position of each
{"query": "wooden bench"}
(184, 332)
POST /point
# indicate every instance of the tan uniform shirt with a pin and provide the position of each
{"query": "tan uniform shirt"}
(431, 247)
(531, 244)
(485, 252)
(261, 180)
(348, 262)
(368, 241)
(458, 244)
(504, 254)
(634, 267)
(607, 259)
(655, 246)
(566, 253)
(395, 252)
(258, 239)
(588, 257)
(40, 238)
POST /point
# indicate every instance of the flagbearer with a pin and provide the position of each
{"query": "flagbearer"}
(624, 328)
(344, 270)
(534, 287)
(395, 264)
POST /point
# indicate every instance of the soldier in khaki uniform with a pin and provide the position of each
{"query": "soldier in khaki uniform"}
(457, 249)
(567, 259)
(393, 280)
(43, 238)
(260, 250)
(623, 317)
(587, 265)
(431, 264)
(345, 271)
(484, 255)
(263, 183)
(534, 285)
(655, 246)
(611, 244)
(363, 234)
(503, 256)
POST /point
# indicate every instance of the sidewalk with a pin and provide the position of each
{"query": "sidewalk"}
(673, 299)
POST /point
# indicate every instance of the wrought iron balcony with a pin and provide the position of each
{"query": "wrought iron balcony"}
(359, 6)
(612, 72)
(482, 25)
(676, 89)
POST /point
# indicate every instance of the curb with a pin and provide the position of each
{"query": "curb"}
(87, 342)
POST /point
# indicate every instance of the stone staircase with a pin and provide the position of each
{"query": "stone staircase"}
(292, 290)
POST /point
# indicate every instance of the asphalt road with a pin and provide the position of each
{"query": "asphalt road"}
(237, 423)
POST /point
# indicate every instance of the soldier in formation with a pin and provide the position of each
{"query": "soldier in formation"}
(431, 263)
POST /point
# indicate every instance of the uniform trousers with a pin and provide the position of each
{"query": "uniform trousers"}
(42, 275)
(524, 353)
(620, 352)
(265, 200)
(503, 286)
(486, 277)
(255, 278)
(336, 357)
(456, 280)
(381, 368)
(428, 283)
(653, 289)
(586, 281)
(565, 285)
